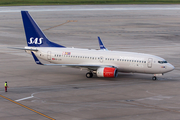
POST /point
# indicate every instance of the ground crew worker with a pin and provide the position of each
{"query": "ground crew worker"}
(6, 86)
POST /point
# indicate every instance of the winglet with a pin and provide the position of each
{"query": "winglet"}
(36, 59)
(102, 47)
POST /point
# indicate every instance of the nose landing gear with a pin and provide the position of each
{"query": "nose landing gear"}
(155, 76)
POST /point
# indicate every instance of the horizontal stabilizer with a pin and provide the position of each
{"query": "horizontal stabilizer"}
(23, 49)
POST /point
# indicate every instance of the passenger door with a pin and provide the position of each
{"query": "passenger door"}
(149, 64)
(49, 55)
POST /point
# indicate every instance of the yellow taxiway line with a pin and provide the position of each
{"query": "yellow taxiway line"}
(27, 107)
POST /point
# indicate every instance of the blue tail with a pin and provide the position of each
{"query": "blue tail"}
(34, 36)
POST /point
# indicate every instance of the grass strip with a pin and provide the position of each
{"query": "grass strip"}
(82, 2)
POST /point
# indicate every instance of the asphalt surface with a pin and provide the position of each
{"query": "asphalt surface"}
(42, 92)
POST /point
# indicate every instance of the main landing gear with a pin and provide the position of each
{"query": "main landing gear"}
(89, 75)
(154, 78)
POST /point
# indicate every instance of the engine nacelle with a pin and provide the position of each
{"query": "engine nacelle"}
(107, 72)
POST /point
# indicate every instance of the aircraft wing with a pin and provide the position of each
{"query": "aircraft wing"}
(91, 67)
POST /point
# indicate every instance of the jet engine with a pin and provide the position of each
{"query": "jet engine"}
(107, 72)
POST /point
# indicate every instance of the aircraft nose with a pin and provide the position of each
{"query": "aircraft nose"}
(170, 67)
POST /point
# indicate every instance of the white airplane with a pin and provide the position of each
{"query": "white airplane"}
(103, 63)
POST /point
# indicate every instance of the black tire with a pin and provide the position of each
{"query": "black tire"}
(154, 78)
(89, 75)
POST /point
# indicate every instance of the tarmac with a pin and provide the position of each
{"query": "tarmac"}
(59, 93)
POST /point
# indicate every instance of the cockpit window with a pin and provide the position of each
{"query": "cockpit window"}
(162, 62)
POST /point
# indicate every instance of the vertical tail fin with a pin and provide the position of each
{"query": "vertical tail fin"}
(34, 36)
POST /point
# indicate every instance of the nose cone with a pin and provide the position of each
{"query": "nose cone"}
(169, 67)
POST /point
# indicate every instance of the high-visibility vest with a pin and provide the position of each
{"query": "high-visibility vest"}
(5, 84)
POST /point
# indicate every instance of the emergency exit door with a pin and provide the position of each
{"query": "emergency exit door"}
(49, 55)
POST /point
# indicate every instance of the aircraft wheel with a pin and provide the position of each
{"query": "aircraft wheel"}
(89, 75)
(154, 78)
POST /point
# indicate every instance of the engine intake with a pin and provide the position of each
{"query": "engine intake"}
(107, 72)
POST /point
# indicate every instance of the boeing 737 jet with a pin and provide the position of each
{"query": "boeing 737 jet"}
(102, 62)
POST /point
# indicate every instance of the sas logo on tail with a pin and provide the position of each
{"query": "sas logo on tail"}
(35, 41)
